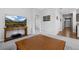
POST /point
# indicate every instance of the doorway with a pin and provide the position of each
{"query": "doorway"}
(68, 27)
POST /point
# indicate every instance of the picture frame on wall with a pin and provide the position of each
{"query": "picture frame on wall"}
(46, 18)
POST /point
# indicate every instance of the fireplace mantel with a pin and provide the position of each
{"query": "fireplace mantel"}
(14, 28)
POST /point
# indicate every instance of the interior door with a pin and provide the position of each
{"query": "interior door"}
(37, 24)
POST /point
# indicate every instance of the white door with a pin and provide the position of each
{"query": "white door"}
(37, 24)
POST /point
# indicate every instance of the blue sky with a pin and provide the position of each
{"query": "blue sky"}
(16, 18)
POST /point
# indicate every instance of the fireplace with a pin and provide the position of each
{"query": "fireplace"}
(14, 32)
(13, 25)
(15, 36)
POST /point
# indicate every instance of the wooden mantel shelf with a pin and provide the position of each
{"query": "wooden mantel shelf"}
(15, 28)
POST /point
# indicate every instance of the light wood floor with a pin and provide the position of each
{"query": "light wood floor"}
(67, 32)
(40, 42)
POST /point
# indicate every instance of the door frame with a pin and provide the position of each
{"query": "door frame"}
(70, 23)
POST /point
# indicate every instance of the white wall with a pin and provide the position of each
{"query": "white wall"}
(52, 26)
(37, 22)
(74, 20)
(34, 18)
(58, 21)
(27, 12)
(67, 15)
(2, 24)
(47, 26)
(62, 21)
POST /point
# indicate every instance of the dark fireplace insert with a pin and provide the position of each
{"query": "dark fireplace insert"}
(15, 36)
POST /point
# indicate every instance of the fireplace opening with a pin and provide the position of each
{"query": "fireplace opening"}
(15, 36)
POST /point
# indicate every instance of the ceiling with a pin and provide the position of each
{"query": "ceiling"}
(62, 10)
(67, 10)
